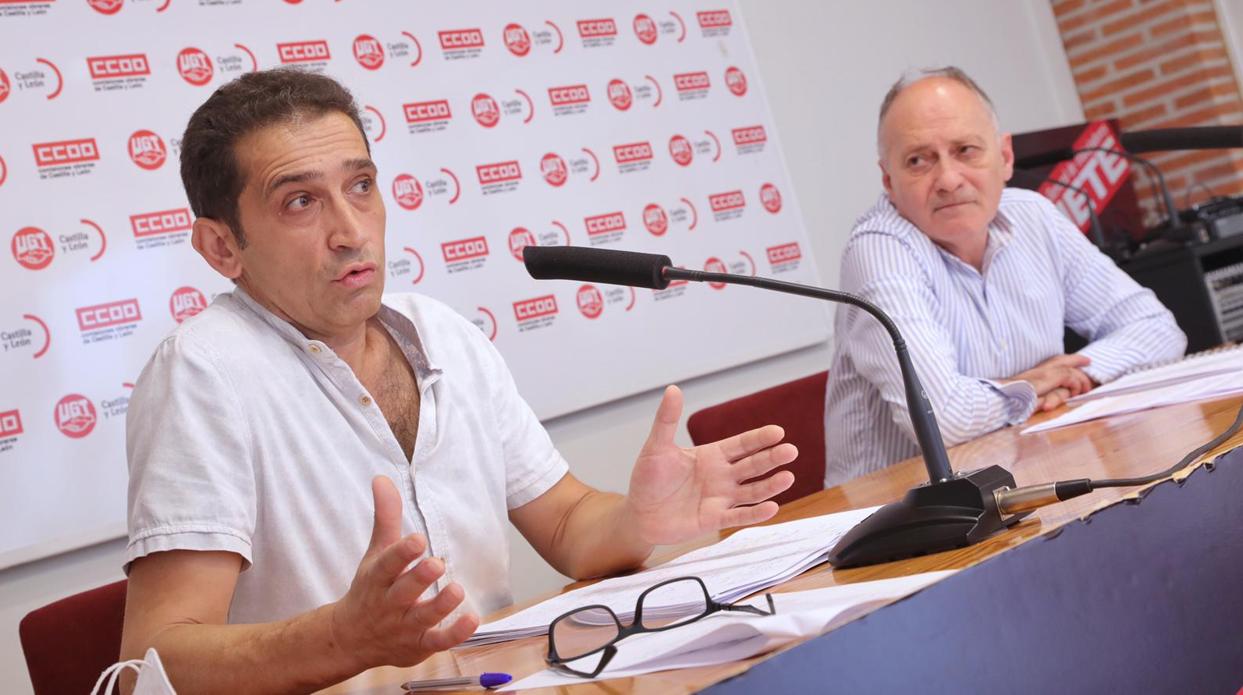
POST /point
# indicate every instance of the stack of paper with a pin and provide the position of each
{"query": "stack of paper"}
(750, 560)
(1199, 366)
(1217, 386)
(728, 637)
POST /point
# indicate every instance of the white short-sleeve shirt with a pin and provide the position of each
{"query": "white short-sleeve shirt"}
(245, 436)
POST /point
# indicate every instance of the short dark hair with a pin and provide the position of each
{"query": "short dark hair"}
(209, 168)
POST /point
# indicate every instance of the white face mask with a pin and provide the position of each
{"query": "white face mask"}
(151, 677)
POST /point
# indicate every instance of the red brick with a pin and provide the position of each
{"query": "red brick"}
(1212, 115)
(1061, 8)
(1179, 23)
(1156, 91)
(1148, 54)
(1224, 170)
(1136, 118)
(1096, 112)
(1131, 21)
(1108, 50)
(1094, 14)
(1176, 161)
(1114, 87)
(1208, 94)
(1091, 75)
(1083, 38)
(1192, 59)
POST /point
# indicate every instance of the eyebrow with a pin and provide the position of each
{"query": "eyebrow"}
(356, 164)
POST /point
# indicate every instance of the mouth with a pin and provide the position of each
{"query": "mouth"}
(952, 206)
(357, 275)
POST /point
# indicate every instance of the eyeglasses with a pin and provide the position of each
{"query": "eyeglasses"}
(595, 630)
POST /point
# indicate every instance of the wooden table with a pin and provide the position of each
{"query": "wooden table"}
(1123, 446)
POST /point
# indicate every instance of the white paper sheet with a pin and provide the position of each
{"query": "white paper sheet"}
(1185, 392)
(1190, 368)
(726, 637)
(751, 559)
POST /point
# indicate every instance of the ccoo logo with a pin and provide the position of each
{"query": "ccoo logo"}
(186, 302)
(120, 313)
(619, 95)
(32, 248)
(62, 152)
(147, 150)
(303, 51)
(195, 67)
(517, 40)
(485, 110)
(75, 416)
(407, 191)
(113, 67)
(368, 52)
(553, 168)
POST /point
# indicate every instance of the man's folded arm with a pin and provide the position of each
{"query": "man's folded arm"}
(1126, 325)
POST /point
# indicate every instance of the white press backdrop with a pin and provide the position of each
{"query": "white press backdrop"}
(550, 123)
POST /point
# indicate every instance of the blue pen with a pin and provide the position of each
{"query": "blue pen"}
(483, 680)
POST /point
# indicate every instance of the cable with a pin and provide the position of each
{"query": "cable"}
(1029, 497)
(1192, 456)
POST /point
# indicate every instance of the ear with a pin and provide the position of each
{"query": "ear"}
(1007, 156)
(884, 176)
(215, 242)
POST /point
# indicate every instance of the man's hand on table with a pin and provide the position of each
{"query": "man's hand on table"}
(1057, 380)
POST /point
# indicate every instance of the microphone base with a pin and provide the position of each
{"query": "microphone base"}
(929, 519)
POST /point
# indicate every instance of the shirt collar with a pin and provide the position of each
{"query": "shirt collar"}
(1000, 233)
(398, 325)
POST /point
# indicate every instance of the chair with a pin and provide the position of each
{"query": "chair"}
(798, 406)
(68, 643)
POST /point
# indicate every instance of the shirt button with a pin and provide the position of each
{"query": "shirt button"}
(365, 400)
(313, 348)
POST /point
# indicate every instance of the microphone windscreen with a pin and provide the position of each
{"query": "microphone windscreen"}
(606, 266)
(1202, 138)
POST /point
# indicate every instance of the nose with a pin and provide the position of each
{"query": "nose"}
(949, 177)
(345, 225)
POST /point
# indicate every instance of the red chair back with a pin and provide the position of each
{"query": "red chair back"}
(68, 643)
(798, 406)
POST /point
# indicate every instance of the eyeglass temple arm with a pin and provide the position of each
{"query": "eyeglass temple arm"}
(772, 609)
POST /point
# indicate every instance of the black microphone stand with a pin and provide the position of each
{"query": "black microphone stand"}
(950, 511)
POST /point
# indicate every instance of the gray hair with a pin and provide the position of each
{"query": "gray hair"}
(910, 77)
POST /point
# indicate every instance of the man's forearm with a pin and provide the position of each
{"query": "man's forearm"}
(599, 537)
(300, 654)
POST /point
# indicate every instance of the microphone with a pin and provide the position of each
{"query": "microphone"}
(606, 266)
(950, 511)
(1219, 137)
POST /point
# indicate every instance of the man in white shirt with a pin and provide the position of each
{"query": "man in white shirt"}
(320, 478)
(980, 279)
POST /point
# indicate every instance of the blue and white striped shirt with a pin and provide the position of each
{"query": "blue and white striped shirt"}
(966, 329)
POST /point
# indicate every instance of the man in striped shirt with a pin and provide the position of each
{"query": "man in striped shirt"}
(980, 279)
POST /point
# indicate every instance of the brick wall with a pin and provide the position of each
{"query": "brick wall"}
(1158, 64)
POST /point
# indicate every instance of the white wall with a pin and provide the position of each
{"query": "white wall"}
(826, 66)
(1230, 19)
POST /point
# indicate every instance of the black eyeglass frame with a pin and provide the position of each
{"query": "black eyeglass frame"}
(636, 625)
